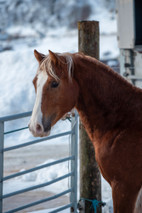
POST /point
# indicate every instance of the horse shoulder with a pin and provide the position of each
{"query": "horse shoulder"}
(119, 155)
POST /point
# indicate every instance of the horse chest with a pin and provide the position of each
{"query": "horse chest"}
(105, 155)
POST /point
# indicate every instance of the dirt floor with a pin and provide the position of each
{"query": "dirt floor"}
(27, 158)
(19, 200)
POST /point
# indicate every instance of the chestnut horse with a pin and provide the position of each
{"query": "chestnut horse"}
(110, 109)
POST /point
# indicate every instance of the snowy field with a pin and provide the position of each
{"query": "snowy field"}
(18, 67)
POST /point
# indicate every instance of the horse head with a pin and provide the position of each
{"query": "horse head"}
(56, 91)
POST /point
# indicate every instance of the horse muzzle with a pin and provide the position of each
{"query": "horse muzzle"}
(43, 128)
(40, 130)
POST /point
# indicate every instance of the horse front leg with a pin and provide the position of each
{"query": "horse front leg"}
(124, 197)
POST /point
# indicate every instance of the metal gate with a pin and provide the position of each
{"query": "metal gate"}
(72, 190)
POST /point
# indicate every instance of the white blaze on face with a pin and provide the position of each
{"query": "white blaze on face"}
(36, 117)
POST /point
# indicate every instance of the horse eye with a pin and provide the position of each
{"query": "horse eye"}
(54, 84)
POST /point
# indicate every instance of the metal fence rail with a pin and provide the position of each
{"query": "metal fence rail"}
(72, 159)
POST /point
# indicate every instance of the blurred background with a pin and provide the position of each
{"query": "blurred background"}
(26, 25)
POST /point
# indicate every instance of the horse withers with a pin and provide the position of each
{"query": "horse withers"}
(110, 109)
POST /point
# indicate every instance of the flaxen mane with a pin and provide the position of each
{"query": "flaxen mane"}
(47, 64)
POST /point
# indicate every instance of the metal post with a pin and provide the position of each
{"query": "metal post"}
(90, 179)
(1, 161)
(74, 164)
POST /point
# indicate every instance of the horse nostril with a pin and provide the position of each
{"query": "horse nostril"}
(38, 128)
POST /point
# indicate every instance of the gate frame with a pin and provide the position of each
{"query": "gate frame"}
(73, 158)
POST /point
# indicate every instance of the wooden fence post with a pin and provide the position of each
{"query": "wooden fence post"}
(90, 179)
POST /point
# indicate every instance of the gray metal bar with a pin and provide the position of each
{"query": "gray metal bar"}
(135, 78)
(39, 167)
(62, 208)
(41, 201)
(1, 161)
(14, 117)
(74, 164)
(16, 130)
(36, 141)
(37, 186)
(72, 174)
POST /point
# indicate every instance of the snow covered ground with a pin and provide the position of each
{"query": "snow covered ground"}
(18, 67)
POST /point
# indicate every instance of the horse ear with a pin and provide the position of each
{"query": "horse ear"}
(53, 57)
(39, 56)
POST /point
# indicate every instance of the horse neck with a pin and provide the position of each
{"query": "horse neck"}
(104, 96)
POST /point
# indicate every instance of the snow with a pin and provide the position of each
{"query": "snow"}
(21, 31)
(107, 20)
(51, 173)
(18, 67)
(39, 177)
